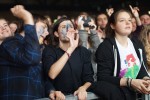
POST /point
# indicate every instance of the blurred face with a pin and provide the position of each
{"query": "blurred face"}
(145, 19)
(133, 24)
(41, 29)
(63, 29)
(102, 20)
(4, 30)
(13, 27)
(123, 24)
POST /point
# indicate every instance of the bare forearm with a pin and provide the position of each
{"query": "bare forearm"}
(58, 66)
(29, 20)
(138, 21)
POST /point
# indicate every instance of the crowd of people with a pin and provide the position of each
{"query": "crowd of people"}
(108, 55)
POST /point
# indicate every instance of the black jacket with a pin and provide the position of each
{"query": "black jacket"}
(107, 55)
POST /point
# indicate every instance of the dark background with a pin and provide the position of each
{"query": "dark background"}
(71, 7)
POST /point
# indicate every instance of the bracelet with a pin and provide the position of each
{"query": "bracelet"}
(127, 82)
(67, 54)
(130, 81)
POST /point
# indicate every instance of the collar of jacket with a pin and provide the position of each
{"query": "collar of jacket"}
(138, 50)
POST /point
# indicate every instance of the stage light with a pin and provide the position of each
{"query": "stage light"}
(149, 12)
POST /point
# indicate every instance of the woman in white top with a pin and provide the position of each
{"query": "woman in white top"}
(121, 61)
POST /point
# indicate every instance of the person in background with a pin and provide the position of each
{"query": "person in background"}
(121, 60)
(89, 38)
(67, 64)
(145, 19)
(20, 73)
(42, 27)
(102, 20)
(136, 22)
(13, 26)
(110, 11)
(145, 38)
(50, 23)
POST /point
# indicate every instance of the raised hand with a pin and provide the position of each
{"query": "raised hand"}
(20, 12)
(110, 11)
(74, 38)
(80, 23)
(92, 23)
(134, 11)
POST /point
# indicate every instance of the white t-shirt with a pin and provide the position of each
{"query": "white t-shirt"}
(130, 64)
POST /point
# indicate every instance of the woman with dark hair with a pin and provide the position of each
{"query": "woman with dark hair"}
(101, 21)
(67, 64)
(121, 62)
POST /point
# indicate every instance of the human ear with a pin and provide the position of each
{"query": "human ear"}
(112, 26)
(56, 34)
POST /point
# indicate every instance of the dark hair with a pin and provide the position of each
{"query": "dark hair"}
(55, 40)
(47, 40)
(2, 18)
(101, 13)
(112, 20)
(13, 22)
(144, 13)
(19, 26)
(38, 17)
(41, 18)
(83, 13)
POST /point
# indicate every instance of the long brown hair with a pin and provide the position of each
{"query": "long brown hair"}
(112, 20)
(145, 32)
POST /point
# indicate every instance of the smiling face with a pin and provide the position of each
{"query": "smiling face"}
(41, 28)
(123, 24)
(4, 30)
